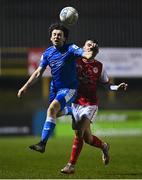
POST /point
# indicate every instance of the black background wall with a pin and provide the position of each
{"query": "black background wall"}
(116, 23)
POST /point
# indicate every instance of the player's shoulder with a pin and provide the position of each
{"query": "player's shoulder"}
(98, 62)
(48, 50)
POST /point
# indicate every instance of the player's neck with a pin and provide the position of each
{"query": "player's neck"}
(59, 46)
(88, 60)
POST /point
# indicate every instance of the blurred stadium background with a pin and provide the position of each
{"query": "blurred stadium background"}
(116, 24)
(24, 35)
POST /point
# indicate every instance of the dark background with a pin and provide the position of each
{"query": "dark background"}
(24, 24)
(113, 22)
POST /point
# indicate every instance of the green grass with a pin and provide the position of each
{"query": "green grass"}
(19, 162)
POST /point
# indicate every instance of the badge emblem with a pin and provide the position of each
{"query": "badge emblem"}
(95, 69)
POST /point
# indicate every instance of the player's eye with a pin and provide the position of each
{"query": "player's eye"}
(59, 35)
(54, 34)
(89, 45)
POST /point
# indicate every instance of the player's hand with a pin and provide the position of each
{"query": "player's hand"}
(123, 86)
(94, 49)
(21, 92)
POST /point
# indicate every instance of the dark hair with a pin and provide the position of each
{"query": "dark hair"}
(58, 26)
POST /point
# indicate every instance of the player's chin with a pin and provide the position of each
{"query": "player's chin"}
(88, 49)
(57, 43)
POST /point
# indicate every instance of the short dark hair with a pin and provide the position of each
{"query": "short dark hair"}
(59, 26)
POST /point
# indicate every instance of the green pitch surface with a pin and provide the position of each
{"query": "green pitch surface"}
(17, 161)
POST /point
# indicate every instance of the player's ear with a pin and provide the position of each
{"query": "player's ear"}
(50, 38)
(64, 39)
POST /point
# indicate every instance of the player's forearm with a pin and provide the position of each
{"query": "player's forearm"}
(31, 81)
(114, 87)
(34, 77)
(110, 87)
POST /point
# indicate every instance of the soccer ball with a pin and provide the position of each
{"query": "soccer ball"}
(69, 16)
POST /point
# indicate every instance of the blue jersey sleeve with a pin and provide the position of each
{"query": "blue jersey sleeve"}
(43, 61)
(76, 51)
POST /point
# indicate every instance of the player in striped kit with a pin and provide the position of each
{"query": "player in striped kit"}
(61, 59)
(85, 107)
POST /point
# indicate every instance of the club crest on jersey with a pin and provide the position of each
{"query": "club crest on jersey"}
(95, 70)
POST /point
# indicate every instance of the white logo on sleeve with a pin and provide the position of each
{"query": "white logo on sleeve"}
(75, 46)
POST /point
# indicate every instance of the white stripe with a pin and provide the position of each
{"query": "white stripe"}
(118, 132)
(50, 119)
(70, 94)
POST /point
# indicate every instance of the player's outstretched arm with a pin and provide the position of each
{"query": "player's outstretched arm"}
(33, 78)
(114, 87)
(123, 86)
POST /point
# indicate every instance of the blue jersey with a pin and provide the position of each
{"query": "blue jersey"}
(63, 65)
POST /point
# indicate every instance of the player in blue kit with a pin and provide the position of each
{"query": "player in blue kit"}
(61, 59)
